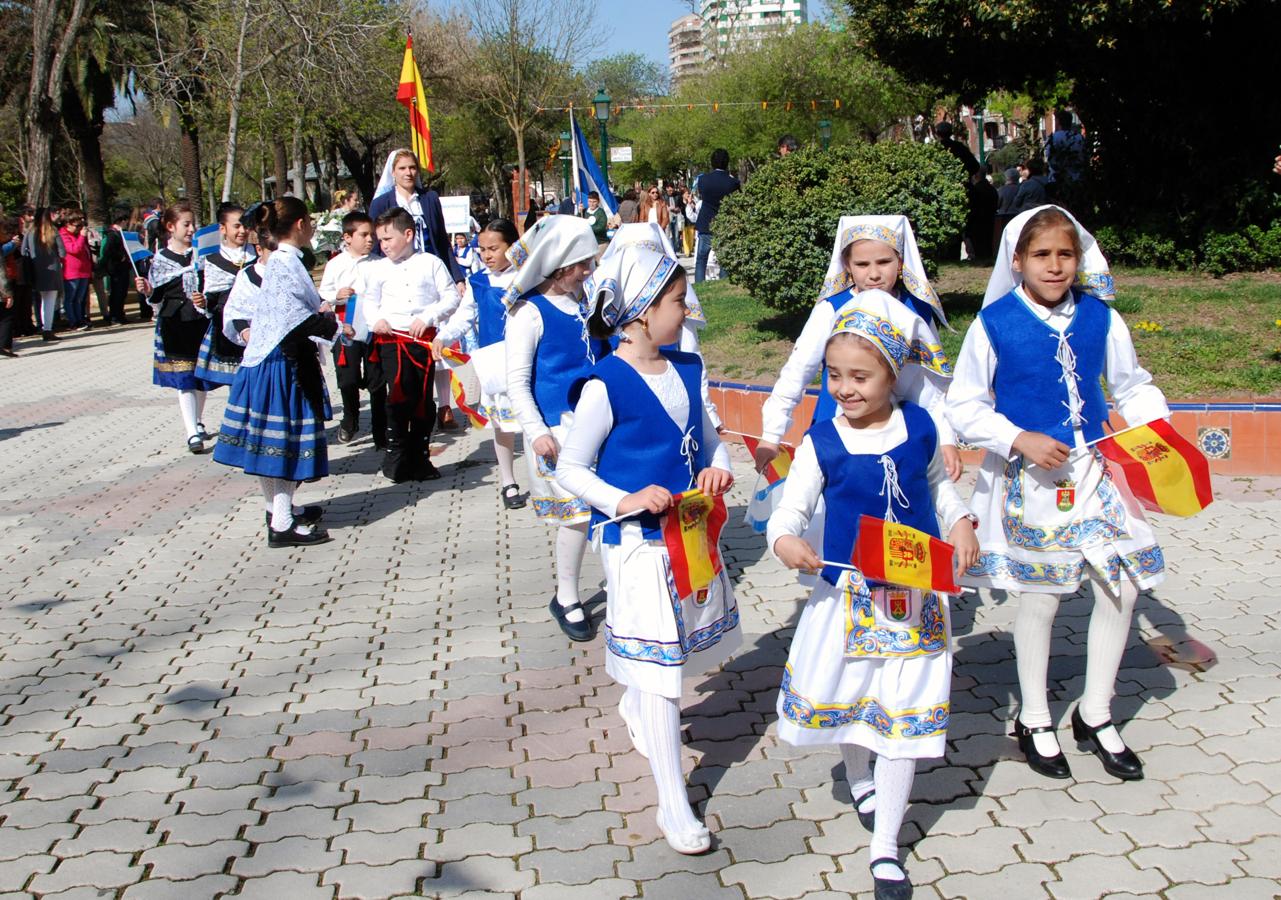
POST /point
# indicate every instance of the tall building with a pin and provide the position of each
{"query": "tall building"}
(685, 51)
(727, 23)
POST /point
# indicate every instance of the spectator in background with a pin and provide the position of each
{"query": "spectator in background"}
(135, 225)
(1032, 192)
(8, 227)
(116, 267)
(24, 322)
(1005, 196)
(77, 270)
(979, 220)
(691, 206)
(944, 132)
(786, 145)
(653, 208)
(151, 224)
(42, 246)
(629, 208)
(675, 214)
(596, 216)
(713, 187)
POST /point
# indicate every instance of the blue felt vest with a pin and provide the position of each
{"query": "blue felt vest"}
(1028, 382)
(565, 354)
(491, 314)
(825, 408)
(645, 446)
(852, 484)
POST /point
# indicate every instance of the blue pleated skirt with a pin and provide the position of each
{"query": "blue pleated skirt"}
(175, 367)
(213, 369)
(271, 427)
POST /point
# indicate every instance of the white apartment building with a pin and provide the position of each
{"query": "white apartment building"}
(685, 50)
(727, 23)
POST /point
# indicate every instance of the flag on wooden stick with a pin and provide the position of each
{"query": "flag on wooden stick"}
(410, 93)
(898, 554)
(768, 491)
(691, 531)
(1163, 469)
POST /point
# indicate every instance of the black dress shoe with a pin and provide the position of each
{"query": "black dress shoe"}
(49, 336)
(1055, 766)
(512, 498)
(866, 819)
(345, 435)
(292, 537)
(889, 888)
(201, 433)
(9, 353)
(195, 444)
(427, 472)
(1125, 765)
(575, 631)
(310, 515)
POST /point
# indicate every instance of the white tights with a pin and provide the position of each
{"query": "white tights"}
(505, 450)
(279, 496)
(893, 783)
(571, 544)
(658, 721)
(48, 308)
(192, 406)
(1109, 631)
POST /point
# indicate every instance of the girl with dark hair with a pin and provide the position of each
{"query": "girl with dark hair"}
(173, 290)
(219, 357)
(274, 425)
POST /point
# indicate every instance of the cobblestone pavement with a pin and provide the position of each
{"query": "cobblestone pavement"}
(186, 713)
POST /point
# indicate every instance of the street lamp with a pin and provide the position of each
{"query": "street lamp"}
(825, 132)
(566, 155)
(601, 104)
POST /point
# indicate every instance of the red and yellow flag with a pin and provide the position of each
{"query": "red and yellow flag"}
(898, 554)
(692, 531)
(777, 470)
(1165, 472)
(410, 93)
(464, 384)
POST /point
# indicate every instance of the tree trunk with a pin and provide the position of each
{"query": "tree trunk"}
(321, 201)
(233, 117)
(87, 133)
(523, 179)
(360, 164)
(192, 176)
(280, 162)
(44, 93)
(331, 160)
(300, 167)
(39, 161)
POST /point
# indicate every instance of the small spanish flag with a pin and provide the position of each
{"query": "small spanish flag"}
(1164, 471)
(777, 470)
(691, 531)
(898, 554)
(410, 93)
(464, 384)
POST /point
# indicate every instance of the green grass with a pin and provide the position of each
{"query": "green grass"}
(1218, 337)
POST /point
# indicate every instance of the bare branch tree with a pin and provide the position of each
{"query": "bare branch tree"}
(55, 25)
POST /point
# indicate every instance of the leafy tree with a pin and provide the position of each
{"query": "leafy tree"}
(626, 77)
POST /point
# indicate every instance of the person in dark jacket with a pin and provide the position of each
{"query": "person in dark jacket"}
(713, 187)
(399, 187)
(116, 266)
(1032, 192)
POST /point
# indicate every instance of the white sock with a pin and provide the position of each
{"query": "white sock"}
(282, 507)
(571, 544)
(505, 450)
(443, 396)
(858, 773)
(200, 405)
(268, 492)
(187, 406)
(660, 723)
(48, 306)
(630, 711)
(1109, 632)
(893, 787)
(1032, 628)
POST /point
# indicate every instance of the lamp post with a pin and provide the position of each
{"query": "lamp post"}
(601, 104)
(825, 132)
(978, 118)
(565, 157)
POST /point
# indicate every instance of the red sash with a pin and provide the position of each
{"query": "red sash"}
(402, 342)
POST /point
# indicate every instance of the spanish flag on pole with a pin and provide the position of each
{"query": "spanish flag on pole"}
(1164, 471)
(464, 384)
(692, 531)
(778, 468)
(411, 94)
(897, 554)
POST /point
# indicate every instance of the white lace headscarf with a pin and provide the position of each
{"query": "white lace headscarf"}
(627, 282)
(1092, 274)
(649, 234)
(555, 242)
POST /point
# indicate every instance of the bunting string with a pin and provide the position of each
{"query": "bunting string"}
(713, 105)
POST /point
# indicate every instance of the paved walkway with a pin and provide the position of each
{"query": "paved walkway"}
(185, 713)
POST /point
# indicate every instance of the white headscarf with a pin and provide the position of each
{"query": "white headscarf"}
(895, 231)
(387, 181)
(627, 282)
(555, 242)
(900, 334)
(1092, 274)
(287, 298)
(650, 235)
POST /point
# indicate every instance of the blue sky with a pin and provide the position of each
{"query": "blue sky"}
(638, 26)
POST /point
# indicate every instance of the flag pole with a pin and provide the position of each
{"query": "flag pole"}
(1076, 452)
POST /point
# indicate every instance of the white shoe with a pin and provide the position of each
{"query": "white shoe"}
(632, 731)
(690, 843)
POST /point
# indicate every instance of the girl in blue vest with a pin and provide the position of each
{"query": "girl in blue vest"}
(870, 666)
(1027, 390)
(640, 435)
(483, 314)
(870, 253)
(548, 349)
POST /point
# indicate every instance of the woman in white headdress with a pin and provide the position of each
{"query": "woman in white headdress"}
(641, 435)
(870, 665)
(274, 423)
(870, 252)
(1028, 390)
(548, 349)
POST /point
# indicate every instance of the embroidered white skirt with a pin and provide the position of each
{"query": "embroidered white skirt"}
(896, 706)
(552, 503)
(1040, 528)
(490, 363)
(653, 637)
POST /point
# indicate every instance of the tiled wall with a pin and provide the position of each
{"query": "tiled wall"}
(1237, 438)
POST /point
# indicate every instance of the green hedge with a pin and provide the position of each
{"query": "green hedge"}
(774, 237)
(1251, 249)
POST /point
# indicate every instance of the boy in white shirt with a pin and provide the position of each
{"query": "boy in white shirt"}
(341, 282)
(407, 295)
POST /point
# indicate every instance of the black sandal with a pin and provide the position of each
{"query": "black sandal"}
(512, 497)
(1055, 766)
(889, 888)
(866, 819)
(195, 444)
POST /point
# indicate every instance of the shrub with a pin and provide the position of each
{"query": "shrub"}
(774, 237)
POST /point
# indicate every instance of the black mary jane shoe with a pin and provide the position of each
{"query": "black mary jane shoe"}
(292, 537)
(866, 819)
(1125, 765)
(201, 433)
(195, 444)
(310, 515)
(888, 888)
(1055, 766)
(512, 498)
(575, 631)
(347, 435)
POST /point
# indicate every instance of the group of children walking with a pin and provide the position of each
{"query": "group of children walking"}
(596, 364)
